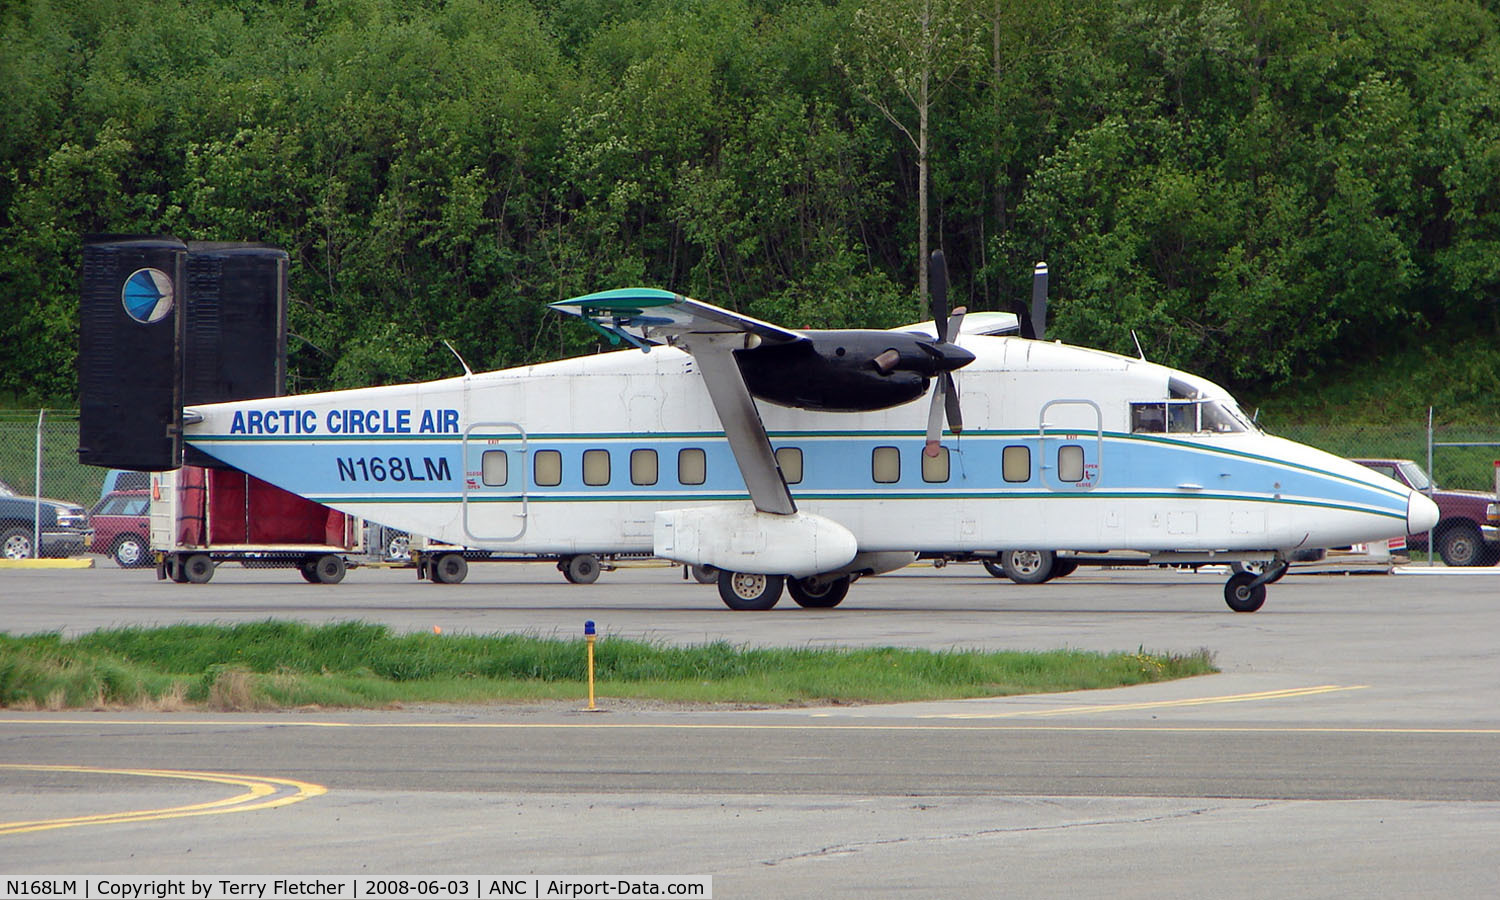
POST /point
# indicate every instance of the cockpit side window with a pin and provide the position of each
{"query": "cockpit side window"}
(1180, 416)
(1148, 418)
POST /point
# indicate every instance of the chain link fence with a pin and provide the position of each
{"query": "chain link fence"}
(62, 476)
(1458, 468)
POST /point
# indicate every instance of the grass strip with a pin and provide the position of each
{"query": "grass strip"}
(280, 664)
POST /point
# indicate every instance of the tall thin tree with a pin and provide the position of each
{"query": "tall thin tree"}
(903, 54)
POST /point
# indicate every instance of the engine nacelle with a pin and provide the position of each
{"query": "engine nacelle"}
(849, 370)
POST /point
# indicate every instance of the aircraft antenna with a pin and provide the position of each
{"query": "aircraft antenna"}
(467, 371)
(1138, 349)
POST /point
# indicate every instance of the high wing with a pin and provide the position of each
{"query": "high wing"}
(644, 316)
(742, 359)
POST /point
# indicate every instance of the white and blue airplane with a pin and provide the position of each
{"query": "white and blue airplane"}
(804, 460)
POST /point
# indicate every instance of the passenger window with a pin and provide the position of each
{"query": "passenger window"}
(643, 467)
(547, 468)
(885, 465)
(692, 466)
(596, 467)
(790, 461)
(1070, 463)
(1015, 464)
(935, 468)
(140, 506)
(494, 467)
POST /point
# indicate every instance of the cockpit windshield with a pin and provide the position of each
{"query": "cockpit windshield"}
(1189, 410)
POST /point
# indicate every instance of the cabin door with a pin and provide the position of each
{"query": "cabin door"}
(1072, 445)
(494, 491)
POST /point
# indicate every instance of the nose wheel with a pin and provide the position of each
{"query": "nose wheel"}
(1243, 594)
(1246, 591)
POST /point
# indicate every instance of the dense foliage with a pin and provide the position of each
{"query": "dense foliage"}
(1261, 190)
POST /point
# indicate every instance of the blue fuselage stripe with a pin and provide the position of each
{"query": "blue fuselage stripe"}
(835, 466)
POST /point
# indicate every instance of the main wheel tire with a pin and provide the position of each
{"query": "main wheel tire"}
(704, 574)
(823, 596)
(993, 567)
(130, 552)
(329, 568)
(450, 568)
(744, 591)
(581, 569)
(17, 544)
(1239, 594)
(1461, 545)
(1028, 566)
(197, 569)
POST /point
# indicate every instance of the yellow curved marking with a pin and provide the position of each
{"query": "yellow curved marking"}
(1155, 704)
(260, 793)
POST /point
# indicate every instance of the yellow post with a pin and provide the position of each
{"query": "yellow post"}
(588, 636)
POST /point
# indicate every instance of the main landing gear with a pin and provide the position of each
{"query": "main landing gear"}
(747, 591)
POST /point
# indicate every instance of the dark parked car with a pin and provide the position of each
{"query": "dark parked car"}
(64, 527)
(1468, 528)
(122, 527)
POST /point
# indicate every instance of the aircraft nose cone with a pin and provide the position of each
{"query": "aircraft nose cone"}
(1421, 513)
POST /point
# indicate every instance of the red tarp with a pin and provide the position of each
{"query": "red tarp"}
(243, 510)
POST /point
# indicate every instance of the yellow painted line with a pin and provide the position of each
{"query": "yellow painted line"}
(85, 563)
(259, 793)
(1155, 704)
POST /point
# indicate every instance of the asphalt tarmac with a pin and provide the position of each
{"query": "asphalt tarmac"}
(1348, 749)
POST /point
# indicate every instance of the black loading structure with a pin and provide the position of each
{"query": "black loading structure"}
(165, 324)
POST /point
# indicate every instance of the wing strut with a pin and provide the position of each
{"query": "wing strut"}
(714, 354)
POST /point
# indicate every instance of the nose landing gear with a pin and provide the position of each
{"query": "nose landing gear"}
(1246, 590)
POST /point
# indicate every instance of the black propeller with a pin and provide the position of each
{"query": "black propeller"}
(1032, 322)
(945, 392)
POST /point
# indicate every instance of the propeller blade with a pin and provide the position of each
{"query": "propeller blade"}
(956, 322)
(938, 284)
(935, 415)
(1039, 300)
(1023, 320)
(950, 398)
(886, 362)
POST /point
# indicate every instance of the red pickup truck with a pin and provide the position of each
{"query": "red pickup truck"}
(1468, 528)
